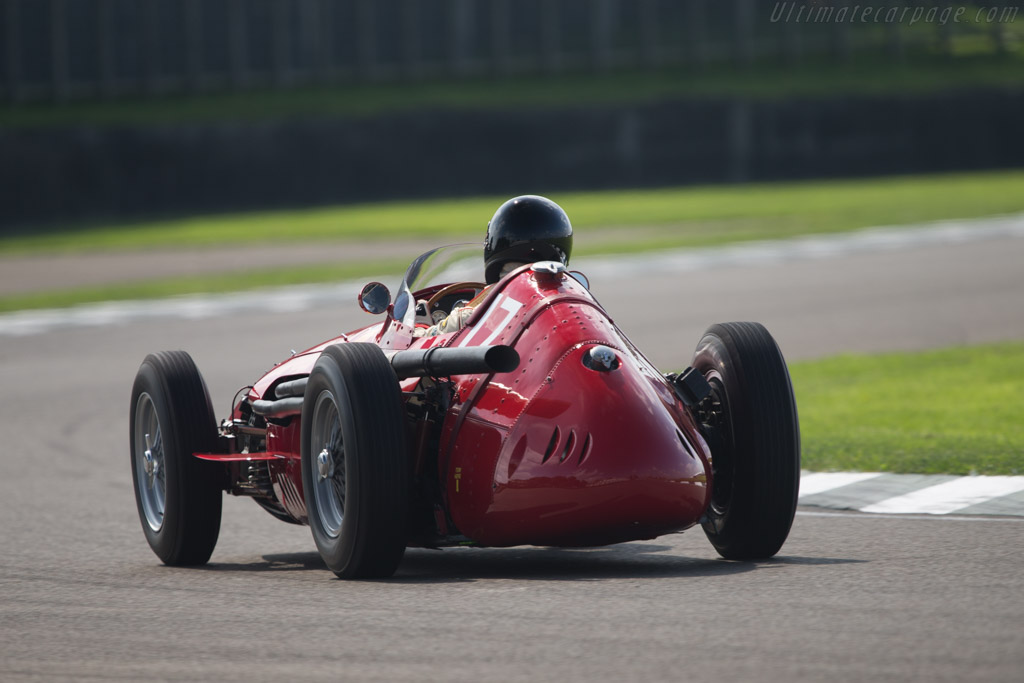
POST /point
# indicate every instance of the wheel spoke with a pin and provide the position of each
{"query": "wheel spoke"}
(339, 476)
(329, 484)
(151, 479)
(339, 491)
(337, 447)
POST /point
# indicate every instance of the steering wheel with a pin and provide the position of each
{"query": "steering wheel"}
(451, 289)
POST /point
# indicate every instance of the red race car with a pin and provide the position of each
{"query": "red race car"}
(538, 422)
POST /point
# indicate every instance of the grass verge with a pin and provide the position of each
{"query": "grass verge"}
(199, 284)
(689, 216)
(953, 411)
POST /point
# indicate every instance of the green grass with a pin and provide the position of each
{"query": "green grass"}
(816, 77)
(955, 411)
(605, 222)
(199, 284)
(691, 216)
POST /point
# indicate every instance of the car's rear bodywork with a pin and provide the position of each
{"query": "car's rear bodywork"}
(555, 452)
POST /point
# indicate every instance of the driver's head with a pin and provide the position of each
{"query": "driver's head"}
(526, 229)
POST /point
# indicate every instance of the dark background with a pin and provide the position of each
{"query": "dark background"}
(59, 55)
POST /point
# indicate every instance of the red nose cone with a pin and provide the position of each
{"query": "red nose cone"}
(598, 457)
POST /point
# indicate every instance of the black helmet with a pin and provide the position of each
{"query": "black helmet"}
(526, 229)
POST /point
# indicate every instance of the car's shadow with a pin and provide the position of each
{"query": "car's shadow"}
(623, 561)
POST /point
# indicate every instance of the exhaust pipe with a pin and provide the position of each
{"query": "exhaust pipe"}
(437, 361)
(441, 362)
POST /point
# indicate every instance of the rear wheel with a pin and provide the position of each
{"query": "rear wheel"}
(354, 463)
(750, 422)
(178, 497)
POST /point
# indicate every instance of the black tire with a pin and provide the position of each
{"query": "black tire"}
(178, 496)
(354, 462)
(750, 421)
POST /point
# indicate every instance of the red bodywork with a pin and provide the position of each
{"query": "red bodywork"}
(552, 453)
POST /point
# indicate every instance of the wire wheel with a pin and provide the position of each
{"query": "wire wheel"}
(178, 496)
(355, 468)
(150, 468)
(713, 414)
(329, 477)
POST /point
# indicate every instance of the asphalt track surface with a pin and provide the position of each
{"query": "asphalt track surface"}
(851, 596)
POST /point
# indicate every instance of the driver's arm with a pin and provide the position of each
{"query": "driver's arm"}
(456, 320)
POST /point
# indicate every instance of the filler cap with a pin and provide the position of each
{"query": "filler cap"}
(600, 359)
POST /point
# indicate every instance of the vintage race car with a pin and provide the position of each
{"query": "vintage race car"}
(537, 423)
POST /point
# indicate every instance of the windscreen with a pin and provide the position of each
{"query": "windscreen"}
(462, 262)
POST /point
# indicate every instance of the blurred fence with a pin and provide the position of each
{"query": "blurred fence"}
(61, 50)
(78, 174)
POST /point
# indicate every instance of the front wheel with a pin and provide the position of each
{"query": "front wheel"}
(354, 462)
(178, 497)
(750, 423)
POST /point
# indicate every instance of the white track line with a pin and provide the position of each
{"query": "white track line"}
(811, 247)
(192, 307)
(949, 496)
(886, 238)
(818, 482)
(898, 518)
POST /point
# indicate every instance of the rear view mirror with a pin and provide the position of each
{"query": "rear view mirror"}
(580, 278)
(374, 298)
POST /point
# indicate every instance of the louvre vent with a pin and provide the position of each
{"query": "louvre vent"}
(585, 451)
(686, 444)
(552, 445)
(569, 444)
